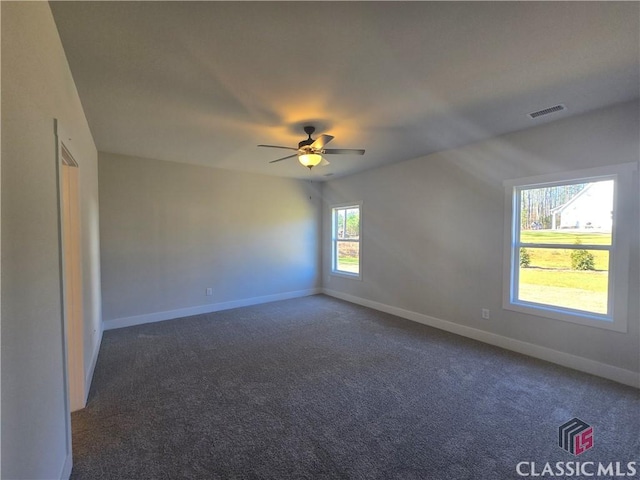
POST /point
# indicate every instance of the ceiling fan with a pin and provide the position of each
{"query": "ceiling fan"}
(310, 151)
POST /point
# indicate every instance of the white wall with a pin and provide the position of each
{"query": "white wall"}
(433, 231)
(37, 87)
(170, 230)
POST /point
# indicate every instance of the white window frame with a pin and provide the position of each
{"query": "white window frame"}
(335, 239)
(616, 317)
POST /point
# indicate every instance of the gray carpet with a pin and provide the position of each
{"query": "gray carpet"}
(320, 388)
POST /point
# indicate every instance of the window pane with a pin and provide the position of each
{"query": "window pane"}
(352, 229)
(576, 213)
(348, 255)
(340, 217)
(569, 278)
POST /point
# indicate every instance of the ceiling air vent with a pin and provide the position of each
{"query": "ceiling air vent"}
(547, 111)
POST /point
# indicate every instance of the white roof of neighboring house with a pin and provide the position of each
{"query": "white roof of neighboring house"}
(601, 186)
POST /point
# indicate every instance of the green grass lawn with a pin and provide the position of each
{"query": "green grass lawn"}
(564, 237)
(578, 289)
(575, 298)
(583, 280)
(348, 261)
(560, 259)
(549, 278)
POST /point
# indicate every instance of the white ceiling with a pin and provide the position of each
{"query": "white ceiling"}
(205, 82)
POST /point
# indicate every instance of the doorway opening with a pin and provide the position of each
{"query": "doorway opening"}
(72, 275)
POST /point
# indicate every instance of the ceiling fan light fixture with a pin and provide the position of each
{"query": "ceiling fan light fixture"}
(310, 160)
(310, 151)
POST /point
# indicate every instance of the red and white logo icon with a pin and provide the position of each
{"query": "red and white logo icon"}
(575, 436)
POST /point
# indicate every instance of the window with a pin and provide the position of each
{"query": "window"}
(567, 246)
(345, 243)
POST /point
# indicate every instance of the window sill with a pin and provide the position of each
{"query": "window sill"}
(567, 315)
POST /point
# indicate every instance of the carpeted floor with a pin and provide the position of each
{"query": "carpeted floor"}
(319, 388)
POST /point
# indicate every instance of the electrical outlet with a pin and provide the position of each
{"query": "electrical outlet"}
(485, 313)
(209, 291)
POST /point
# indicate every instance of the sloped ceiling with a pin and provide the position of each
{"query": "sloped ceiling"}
(205, 82)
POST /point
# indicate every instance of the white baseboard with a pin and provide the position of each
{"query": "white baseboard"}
(92, 367)
(617, 374)
(212, 307)
(66, 468)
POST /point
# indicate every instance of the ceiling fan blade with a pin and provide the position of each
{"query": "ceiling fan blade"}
(324, 162)
(343, 151)
(284, 158)
(278, 146)
(321, 141)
